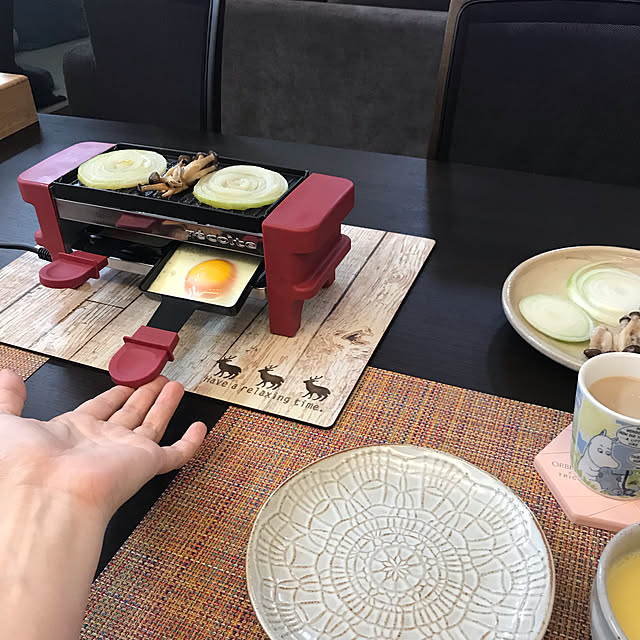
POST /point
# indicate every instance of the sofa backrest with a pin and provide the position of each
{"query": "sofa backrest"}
(433, 5)
(335, 74)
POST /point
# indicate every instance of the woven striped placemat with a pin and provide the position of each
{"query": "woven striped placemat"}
(181, 574)
(24, 363)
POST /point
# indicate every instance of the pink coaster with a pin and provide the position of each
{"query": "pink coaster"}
(581, 504)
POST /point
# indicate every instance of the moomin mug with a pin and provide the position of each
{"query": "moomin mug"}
(605, 447)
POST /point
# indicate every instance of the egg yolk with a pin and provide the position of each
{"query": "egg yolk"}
(209, 280)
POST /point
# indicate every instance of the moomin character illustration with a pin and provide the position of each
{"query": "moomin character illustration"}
(627, 458)
(597, 456)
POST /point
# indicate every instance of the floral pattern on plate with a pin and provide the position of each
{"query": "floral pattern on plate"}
(398, 542)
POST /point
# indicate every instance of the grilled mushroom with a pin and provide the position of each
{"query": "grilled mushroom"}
(182, 175)
(153, 187)
(203, 172)
(194, 167)
(174, 177)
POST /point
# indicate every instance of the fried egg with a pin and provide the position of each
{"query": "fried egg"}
(210, 279)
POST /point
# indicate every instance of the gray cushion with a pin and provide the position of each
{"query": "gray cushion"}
(340, 75)
(433, 5)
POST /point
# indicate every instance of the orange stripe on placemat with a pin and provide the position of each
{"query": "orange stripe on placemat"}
(181, 574)
(24, 363)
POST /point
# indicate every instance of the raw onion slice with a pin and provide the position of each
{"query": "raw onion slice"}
(605, 293)
(240, 187)
(121, 169)
(556, 317)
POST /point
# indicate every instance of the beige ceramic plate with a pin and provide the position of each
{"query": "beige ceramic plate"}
(398, 543)
(548, 273)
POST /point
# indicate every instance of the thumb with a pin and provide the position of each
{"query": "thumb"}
(13, 393)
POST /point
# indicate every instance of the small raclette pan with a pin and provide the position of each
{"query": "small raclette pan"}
(188, 278)
(191, 277)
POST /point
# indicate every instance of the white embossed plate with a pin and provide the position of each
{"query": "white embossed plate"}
(398, 542)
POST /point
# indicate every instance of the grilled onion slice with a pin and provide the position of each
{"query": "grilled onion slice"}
(121, 169)
(240, 187)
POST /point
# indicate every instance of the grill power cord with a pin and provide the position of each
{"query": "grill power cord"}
(41, 252)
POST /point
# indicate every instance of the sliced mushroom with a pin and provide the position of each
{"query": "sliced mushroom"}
(629, 336)
(601, 342)
(629, 326)
(618, 336)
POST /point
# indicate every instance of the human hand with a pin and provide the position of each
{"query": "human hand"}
(99, 455)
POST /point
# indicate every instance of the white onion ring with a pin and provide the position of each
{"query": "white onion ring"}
(240, 187)
(604, 291)
(121, 169)
(556, 317)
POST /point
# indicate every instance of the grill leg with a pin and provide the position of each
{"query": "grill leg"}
(331, 280)
(285, 314)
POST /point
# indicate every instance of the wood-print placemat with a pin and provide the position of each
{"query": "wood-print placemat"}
(181, 574)
(231, 358)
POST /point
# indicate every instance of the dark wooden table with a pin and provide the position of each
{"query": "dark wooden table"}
(450, 328)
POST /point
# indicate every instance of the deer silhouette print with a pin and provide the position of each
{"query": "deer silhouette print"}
(228, 370)
(273, 381)
(313, 388)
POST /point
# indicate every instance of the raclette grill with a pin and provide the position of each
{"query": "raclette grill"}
(182, 206)
(85, 229)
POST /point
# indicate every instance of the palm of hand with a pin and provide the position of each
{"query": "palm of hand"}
(101, 453)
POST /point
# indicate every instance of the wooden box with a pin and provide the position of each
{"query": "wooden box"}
(17, 109)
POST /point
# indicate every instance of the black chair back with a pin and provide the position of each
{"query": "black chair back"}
(546, 86)
(162, 57)
(7, 54)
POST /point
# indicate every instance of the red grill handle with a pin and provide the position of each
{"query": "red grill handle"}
(70, 270)
(143, 356)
